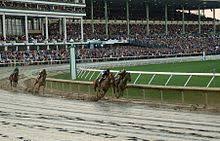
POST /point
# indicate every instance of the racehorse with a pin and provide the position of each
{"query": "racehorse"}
(121, 84)
(13, 78)
(104, 85)
(40, 82)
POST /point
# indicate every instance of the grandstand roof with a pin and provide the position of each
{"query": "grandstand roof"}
(175, 4)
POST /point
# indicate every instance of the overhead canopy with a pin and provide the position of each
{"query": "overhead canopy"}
(175, 4)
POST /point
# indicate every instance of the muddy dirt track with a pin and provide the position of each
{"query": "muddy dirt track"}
(30, 118)
(24, 117)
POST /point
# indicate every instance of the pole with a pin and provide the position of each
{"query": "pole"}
(92, 16)
(64, 29)
(166, 26)
(128, 18)
(26, 28)
(183, 20)
(46, 27)
(106, 18)
(60, 26)
(199, 21)
(82, 30)
(3, 26)
(42, 27)
(214, 21)
(147, 16)
(73, 62)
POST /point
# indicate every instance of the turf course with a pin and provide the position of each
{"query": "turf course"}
(189, 67)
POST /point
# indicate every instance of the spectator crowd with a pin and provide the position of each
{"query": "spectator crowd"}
(156, 44)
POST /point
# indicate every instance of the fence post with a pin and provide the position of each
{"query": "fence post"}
(78, 89)
(144, 95)
(51, 86)
(56, 86)
(183, 99)
(89, 88)
(206, 98)
(69, 87)
(62, 86)
(161, 96)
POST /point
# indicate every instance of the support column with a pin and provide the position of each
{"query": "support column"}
(147, 18)
(60, 26)
(32, 24)
(16, 48)
(64, 29)
(92, 16)
(106, 18)
(16, 27)
(47, 34)
(81, 23)
(166, 26)
(199, 20)
(46, 28)
(12, 26)
(6, 48)
(3, 26)
(183, 21)
(214, 21)
(128, 18)
(41, 26)
(26, 28)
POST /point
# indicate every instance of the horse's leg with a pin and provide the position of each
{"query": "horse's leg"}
(44, 89)
(119, 91)
(101, 94)
(122, 91)
(98, 93)
(117, 95)
(38, 89)
(35, 83)
(95, 85)
(34, 89)
(11, 83)
(113, 85)
(104, 92)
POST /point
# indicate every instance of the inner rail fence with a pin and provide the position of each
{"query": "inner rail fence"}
(147, 90)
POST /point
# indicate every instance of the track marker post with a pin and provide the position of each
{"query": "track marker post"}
(73, 60)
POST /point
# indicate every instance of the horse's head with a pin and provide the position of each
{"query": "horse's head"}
(128, 77)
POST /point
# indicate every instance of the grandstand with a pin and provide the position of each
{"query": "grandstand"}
(27, 22)
(150, 28)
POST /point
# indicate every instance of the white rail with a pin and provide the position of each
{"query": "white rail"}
(86, 72)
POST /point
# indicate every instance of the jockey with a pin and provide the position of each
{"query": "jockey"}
(42, 73)
(105, 73)
(16, 71)
(121, 74)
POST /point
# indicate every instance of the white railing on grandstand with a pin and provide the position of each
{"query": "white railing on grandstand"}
(84, 73)
(144, 22)
(48, 62)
